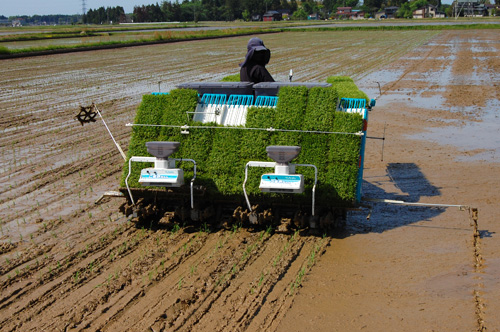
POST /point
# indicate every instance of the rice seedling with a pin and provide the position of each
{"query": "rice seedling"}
(192, 269)
(179, 283)
(298, 281)
(261, 278)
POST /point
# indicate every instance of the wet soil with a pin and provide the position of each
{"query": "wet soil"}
(68, 264)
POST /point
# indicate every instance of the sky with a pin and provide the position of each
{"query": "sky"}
(66, 7)
(70, 7)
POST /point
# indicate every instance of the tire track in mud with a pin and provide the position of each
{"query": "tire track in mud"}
(113, 269)
(166, 269)
(175, 288)
(164, 280)
(478, 269)
(40, 288)
(225, 274)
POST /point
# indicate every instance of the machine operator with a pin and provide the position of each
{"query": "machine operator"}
(253, 69)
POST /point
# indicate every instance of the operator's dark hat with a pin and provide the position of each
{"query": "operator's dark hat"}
(254, 44)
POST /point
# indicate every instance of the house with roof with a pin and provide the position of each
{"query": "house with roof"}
(285, 13)
(388, 12)
(271, 15)
(349, 13)
(344, 11)
(428, 11)
(469, 8)
(493, 9)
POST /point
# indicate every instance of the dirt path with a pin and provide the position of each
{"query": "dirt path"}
(69, 264)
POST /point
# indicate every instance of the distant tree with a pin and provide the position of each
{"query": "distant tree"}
(47, 19)
(171, 11)
(233, 10)
(155, 13)
(448, 10)
(404, 11)
(284, 4)
(104, 15)
(148, 13)
(246, 15)
(299, 14)
(373, 6)
(192, 11)
(254, 6)
(418, 4)
(309, 7)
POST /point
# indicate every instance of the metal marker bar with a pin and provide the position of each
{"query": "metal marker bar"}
(270, 129)
(216, 113)
(392, 201)
(108, 194)
(272, 164)
(109, 131)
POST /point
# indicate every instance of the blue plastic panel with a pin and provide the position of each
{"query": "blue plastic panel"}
(212, 98)
(266, 101)
(240, 100)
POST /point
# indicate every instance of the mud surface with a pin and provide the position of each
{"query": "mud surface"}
(68, 264)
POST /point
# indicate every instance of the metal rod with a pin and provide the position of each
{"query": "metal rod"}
(315, 181)
(244, 190)
(392, 201)
(136, 159)
(269, 164)
(270, 129)
(109, 131)
(216, 112)
(383, 143)
(192, 180)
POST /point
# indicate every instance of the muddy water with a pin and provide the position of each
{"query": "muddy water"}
(479, 131)
(411, 268)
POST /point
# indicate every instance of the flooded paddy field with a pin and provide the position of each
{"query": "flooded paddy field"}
(69, 264)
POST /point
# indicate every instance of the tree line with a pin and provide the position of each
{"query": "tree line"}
(45, 19)
(228, 10)
(104, 15)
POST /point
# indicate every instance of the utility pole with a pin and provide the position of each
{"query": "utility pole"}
(84, 8)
